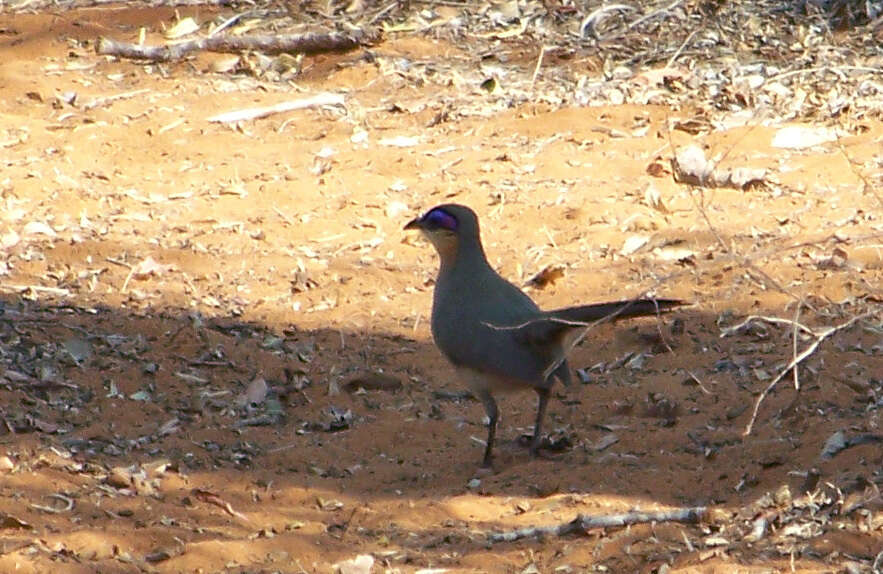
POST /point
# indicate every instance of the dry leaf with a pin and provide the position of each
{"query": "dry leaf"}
(653, 198)
(361, 564)
(400, 141)
(38, 228)
(10, 239)
(633, 243)
(547, 276)
(149, 267)
(255, 394)
(182, 28)
(801, 137)
(212, 498)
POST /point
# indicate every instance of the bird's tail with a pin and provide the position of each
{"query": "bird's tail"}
(615, 310)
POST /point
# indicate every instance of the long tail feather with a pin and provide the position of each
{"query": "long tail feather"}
(615, 310)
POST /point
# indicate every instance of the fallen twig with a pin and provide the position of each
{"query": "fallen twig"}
(591, 21)
(819, 337)
(68, 504)
(36, 289)
(309, 43)
(582, 523)
(326, 99)
(654, 14)
(738, 327)
(104, 100)
(212, 498)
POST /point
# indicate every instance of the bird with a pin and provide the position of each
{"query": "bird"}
(494, 335)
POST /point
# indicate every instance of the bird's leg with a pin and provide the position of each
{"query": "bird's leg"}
(490, 407)
(543, 394)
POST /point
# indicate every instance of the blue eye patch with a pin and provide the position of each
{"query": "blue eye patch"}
(439, 218)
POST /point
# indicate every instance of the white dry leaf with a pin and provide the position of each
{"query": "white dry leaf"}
(359, 136)
(326, 152)
(320, 166)
(398, 186)
(256, 393)
(754, 81)
(149, 266)
(13, 213)
(633, 243)
(225, 64)
(673, 253)
(361, 564)
(606, 441)
(183, 28)
(10, 239)
(4, 268)
(653, 198)
(802, 137)
(394, 209)
(79, 349)
(66, 181)
(39, 228)
(691, 166)
(716, 541)
(171, 426)
(741, 177)
(400, 141)
(778, 90)
(6, 464)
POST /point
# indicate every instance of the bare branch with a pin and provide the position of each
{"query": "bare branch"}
(582, 523)
(309, 43)
(325, 99)
(819, 337)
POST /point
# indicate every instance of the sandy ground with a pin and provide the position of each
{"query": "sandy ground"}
(185, 303)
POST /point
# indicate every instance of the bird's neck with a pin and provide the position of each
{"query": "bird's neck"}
(462, 258)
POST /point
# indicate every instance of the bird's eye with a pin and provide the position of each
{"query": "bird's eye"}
(438, 218)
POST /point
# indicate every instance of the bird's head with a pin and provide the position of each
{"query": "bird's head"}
(449, 227)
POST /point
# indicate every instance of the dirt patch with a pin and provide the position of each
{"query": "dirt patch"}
(183, 304)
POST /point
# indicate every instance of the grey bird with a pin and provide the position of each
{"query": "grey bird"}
(496, 337)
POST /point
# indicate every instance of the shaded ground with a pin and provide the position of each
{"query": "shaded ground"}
(159, 268)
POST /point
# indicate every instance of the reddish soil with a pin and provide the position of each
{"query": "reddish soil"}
(129, 441)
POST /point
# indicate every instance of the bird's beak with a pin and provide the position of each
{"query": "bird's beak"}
(415, 223)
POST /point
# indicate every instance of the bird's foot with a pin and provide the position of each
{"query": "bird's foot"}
(559, 443)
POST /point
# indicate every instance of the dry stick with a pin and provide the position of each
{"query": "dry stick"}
(653, 14)
(595, 16)
(730, 330)
(325, 99)
(681, 49)
(823, 69)
(794, 346)
(35, 288)
(536, 70)
(103, 101)
(382, 12)
(582, 523)
(228, 22)
(309, 43)
(820, 336)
